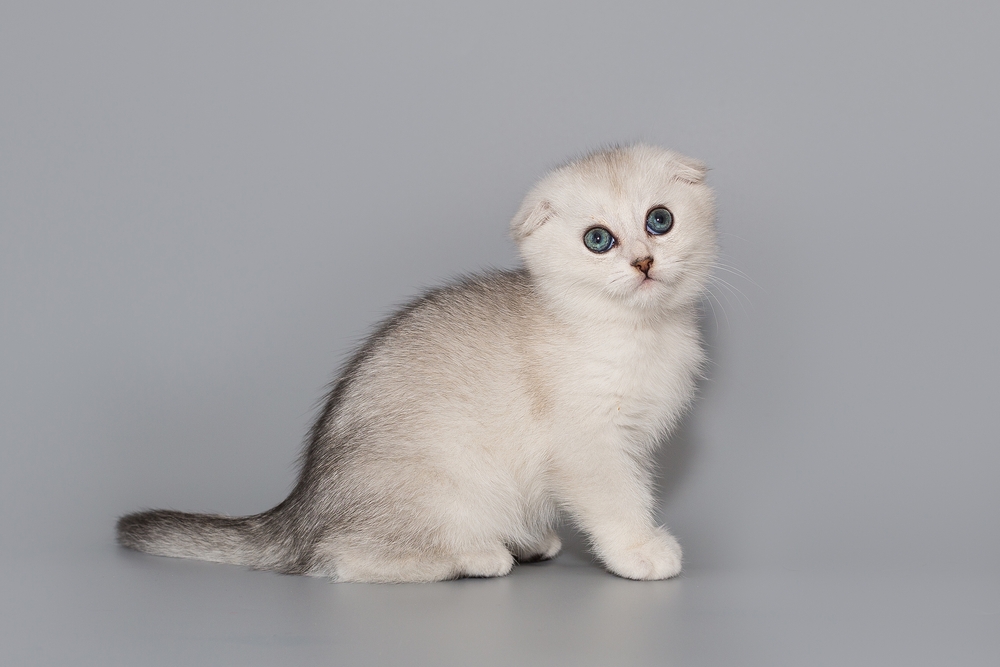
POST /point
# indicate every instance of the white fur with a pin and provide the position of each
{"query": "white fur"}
(482, 412)
(553, 398)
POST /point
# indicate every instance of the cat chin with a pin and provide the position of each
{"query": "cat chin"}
(656, 299)
(646, 292)
(644, 301)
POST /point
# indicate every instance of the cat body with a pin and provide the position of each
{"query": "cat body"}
(475, 417)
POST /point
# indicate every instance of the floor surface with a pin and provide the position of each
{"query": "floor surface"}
(109, 606)
(206, 206)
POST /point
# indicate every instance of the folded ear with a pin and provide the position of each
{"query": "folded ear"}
(690, 170)
(532, 215)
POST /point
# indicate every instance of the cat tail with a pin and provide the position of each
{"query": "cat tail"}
(252, 541)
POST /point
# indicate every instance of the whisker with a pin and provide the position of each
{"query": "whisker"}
(722, 307)
(736, 272)
(738, 293)
(708, 300)
(726, 293)
(735, 236)
(725, 296)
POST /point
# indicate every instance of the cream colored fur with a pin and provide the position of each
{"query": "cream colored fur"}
(486, 410)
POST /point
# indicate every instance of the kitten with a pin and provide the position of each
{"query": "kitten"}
(478, 414)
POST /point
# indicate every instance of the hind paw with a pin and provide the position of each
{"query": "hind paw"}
(545, 548)
(486, 564)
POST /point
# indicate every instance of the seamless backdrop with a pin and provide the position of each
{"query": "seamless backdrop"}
(205, 206)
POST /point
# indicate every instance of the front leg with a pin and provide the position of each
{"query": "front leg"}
(612, 501)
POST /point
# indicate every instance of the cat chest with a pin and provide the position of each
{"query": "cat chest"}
(635, 388)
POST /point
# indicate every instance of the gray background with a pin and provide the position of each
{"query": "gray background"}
(205, 206)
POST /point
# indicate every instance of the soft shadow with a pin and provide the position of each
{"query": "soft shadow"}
(677, 452)
(674, 460)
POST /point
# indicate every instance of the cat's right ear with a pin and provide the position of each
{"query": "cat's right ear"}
(532, 215)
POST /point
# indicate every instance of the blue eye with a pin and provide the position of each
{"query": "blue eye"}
(659, 221)
(598, 239)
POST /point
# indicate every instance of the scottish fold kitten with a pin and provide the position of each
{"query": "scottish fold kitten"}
(476, 416)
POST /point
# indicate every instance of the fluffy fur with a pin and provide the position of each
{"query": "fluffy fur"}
(476, 416)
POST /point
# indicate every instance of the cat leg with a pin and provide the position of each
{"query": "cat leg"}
(372, 566)
(544, 547)
(375, 568)
(613, 503)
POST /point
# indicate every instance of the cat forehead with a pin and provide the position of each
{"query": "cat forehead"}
(614, 183)
(625, 195)
(622, 174)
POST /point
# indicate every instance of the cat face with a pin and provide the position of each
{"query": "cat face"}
(629, 227)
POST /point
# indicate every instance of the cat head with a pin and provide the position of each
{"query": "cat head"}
(629, 227)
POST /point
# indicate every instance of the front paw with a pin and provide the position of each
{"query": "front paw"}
(658, 557)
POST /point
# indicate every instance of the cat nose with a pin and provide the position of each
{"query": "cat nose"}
(643, 264)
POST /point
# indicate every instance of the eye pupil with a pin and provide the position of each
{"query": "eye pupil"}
(598, 240)
(659, 221)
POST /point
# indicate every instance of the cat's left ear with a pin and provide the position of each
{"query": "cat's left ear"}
(532, 215)
(690, 170)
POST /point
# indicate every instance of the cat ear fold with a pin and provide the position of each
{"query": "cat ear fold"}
(690, 170)
(532, 215)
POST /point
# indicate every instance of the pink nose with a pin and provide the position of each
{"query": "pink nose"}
(643, 264)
